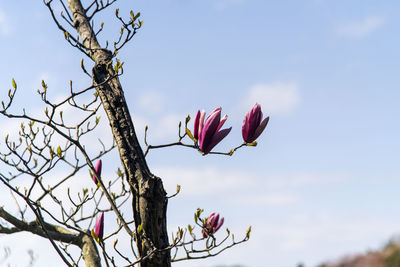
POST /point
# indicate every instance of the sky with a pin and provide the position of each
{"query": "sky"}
(322, 182)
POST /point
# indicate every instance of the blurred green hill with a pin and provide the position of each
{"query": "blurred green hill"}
(387, 256)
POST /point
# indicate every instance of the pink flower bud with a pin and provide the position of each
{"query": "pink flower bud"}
(97, 168)
(99, 227)
(208, 133)
(213, 223)
(252, 125)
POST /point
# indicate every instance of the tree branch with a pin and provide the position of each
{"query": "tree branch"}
(57, 233)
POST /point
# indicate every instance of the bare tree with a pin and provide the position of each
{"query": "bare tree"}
(50, 142)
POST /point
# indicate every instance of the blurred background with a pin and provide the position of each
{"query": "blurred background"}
(323, 181)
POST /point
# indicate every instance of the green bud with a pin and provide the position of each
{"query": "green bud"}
(14, 84)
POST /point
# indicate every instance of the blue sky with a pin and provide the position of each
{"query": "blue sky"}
(323, 181)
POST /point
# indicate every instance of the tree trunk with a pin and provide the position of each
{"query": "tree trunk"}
(89, 251)
(149, 197)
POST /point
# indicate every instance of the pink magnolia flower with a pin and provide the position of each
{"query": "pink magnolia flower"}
(99, 228)
(213, 223)
(252, 125)
(208, 133)
(97, 168)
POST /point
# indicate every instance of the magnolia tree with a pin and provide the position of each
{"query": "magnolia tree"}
(50, 142)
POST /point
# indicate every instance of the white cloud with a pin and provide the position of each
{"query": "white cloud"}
(167, 126)
(51, 80)
(243, 187)
(200, 182)
(339, 236)
(162, 126)
(271, 199)
(161, 129)
(361, 28)
(151, 101)
(140, 123)
(275, 98)
(5, 27)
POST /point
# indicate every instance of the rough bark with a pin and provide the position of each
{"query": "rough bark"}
(149, 197)
(89, 251)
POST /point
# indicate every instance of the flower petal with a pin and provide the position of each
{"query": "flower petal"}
(214, 221)
(209, 129)
(196, 125)
(261, 128)
(205, 235)
(201, 122)
(216, 139)
(246, 127)
(221, 123)
(220, 223)
(210, 218)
